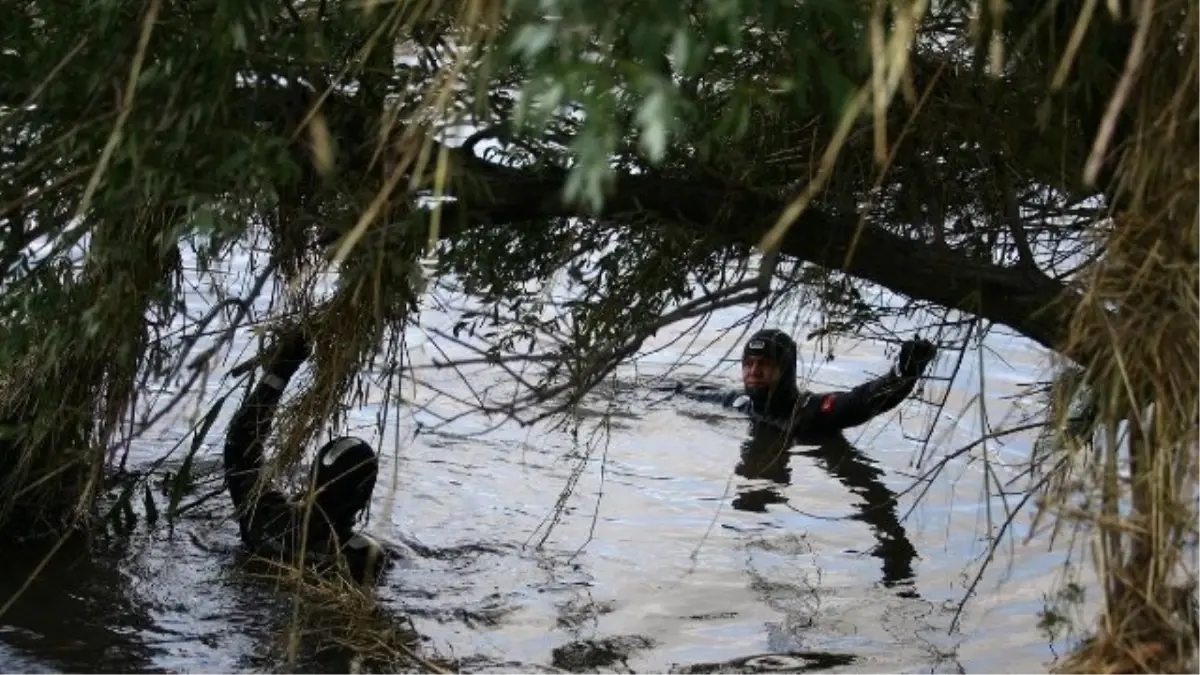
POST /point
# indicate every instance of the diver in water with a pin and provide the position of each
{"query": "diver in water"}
(772, 397)
(342, 479)
(783, 415)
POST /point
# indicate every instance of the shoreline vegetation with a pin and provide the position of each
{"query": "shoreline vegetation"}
(1026, 164)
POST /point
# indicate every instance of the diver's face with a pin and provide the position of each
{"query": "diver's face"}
(759, 373)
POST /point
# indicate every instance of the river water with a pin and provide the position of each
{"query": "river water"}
(667, 555)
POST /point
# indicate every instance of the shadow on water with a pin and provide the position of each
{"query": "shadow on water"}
(79, 613)
(179, 598)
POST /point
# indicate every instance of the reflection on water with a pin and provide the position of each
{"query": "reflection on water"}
(683, 546)
(766, 454)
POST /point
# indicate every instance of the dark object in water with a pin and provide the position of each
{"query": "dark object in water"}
(590, 655)
(787, 662)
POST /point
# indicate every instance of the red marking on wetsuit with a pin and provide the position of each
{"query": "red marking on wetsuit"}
(827, 404)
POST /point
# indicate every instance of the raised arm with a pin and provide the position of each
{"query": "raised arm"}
(251, 425)
(834, 411)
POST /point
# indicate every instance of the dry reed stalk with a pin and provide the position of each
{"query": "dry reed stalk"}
(1139, 319)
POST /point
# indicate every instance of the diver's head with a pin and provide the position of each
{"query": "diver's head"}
(343, 476)
(768, 362)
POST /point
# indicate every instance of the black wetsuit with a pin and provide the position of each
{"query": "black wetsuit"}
(805, 413)
(274, 526)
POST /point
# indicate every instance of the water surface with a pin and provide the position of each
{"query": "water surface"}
(669, 554)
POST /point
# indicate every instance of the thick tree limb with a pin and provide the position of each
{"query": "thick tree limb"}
(1023, 299)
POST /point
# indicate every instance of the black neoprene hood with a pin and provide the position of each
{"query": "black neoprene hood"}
(777, 346)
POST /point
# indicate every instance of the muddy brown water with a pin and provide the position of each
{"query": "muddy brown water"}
(668, 555)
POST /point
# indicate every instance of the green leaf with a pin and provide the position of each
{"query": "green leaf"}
(531, 40)
(182, 481)
(654, 119)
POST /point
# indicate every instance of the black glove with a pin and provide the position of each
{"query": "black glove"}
(915, 356)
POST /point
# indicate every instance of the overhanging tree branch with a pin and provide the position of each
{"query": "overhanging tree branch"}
(1024, 299)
